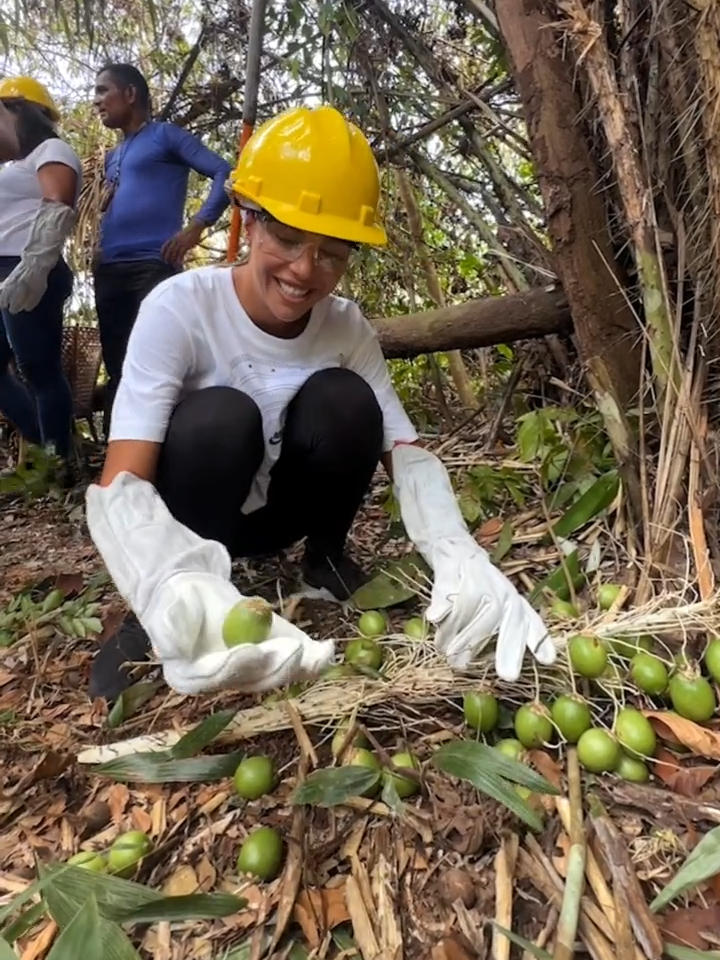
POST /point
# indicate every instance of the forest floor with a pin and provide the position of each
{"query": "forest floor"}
(360, 878)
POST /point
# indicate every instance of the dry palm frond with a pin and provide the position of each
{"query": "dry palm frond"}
(416, 675)
(85, 237)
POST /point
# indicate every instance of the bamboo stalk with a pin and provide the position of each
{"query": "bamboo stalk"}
(575, 878)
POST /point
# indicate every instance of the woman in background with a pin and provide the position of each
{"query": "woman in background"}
(39, 189)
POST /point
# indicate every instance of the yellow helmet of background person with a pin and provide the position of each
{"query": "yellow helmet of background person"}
(312, 169)
(25, 88)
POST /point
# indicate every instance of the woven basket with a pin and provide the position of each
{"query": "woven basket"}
(81, 358)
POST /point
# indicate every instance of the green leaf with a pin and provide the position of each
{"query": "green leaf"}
(557, 581)
(63, 910)
(590, 505)
(6, 951)
(702, 864)
(26, 921)
(157, 768)
(181, 909)
(469, 756)
(130, 700)
(687, 953)
(505, 542)
(483, 775)
(397, 583)
(522, 942)
(390, 795)
(334, 786)
(202, 735)
(82, 937)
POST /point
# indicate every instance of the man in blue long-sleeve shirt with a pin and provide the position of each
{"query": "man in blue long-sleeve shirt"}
(142, 238)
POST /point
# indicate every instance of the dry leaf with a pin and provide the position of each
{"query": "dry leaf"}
(318, 911)
(111, 621)
(71, 584)
(117, 799)
(141, 820)
(490, 530)
(546, 766)
(687, 925)
(687, 781)
(207, 875)
(671, 726)
(182, 882)
(452, 948)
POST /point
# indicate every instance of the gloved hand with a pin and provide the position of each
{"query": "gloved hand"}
(178, 585)
(23, 289)
(471, 599)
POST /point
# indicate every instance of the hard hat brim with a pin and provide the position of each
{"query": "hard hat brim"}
(323, 224)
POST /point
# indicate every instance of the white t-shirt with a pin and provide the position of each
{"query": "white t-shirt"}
(191, 332)
(20, 193)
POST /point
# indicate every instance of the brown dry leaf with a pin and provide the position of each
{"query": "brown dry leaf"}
(686, 926)
(141, 820)
(207, 875)
(685, 781)
(318, 911)
(452, 948)
(111, 621)
(547, 767)
(40, 944)
(669, 726)
(71, 584)
(117, 799)
(490, 530)
(182, 882)
(50, 767)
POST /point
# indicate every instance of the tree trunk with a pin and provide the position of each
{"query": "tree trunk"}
(606, 330)
(477, 323)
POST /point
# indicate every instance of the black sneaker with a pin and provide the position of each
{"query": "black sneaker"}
(114, 667)
(333, 578)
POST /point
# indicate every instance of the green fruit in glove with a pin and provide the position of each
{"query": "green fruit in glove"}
(249, 621)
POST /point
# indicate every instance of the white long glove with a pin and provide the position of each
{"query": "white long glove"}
(178, 585)
(471, 599)
(23, 289)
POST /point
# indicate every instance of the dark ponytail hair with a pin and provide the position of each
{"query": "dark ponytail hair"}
(34, 125)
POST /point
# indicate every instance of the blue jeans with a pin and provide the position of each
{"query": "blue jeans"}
(40, 405)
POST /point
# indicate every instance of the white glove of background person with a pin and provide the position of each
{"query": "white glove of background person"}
(178, 585)
(471, 599)
(24, 287)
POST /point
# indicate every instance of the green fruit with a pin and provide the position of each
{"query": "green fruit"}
(404, 786)
(627, 647)
(588, 656)
(649, 674)
(416, 628)
(692, 696)
(254, 777)
(712, 659)
(598, 751)
(564, 610)
(632, 769)
(372, 623)
(481, 711)
(249, 621)
(364, 652)
(533, 726)
(635, 733)
(261, 854)
(607, 594)
(127, 851)
(572, 716)
(510, 748)
(341, 735)
(90, 860)
(360, 757)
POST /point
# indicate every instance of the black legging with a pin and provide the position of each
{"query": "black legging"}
(331, 446)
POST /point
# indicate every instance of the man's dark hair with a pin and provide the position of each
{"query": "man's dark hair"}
(125, 75)
(34, 125)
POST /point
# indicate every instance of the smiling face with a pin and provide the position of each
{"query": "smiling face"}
(116, 106)
(290, 271)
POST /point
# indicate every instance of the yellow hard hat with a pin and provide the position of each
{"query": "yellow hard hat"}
(314, 170)
(25, 88)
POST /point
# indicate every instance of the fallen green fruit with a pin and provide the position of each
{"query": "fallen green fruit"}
(254, 777)
(372, 624)
(404, 786)
(127, 851)
(261, 855)
(564, 610)
(249, 621)
(607, 594)
(341, 736)
(416, 628)
(90, 860)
